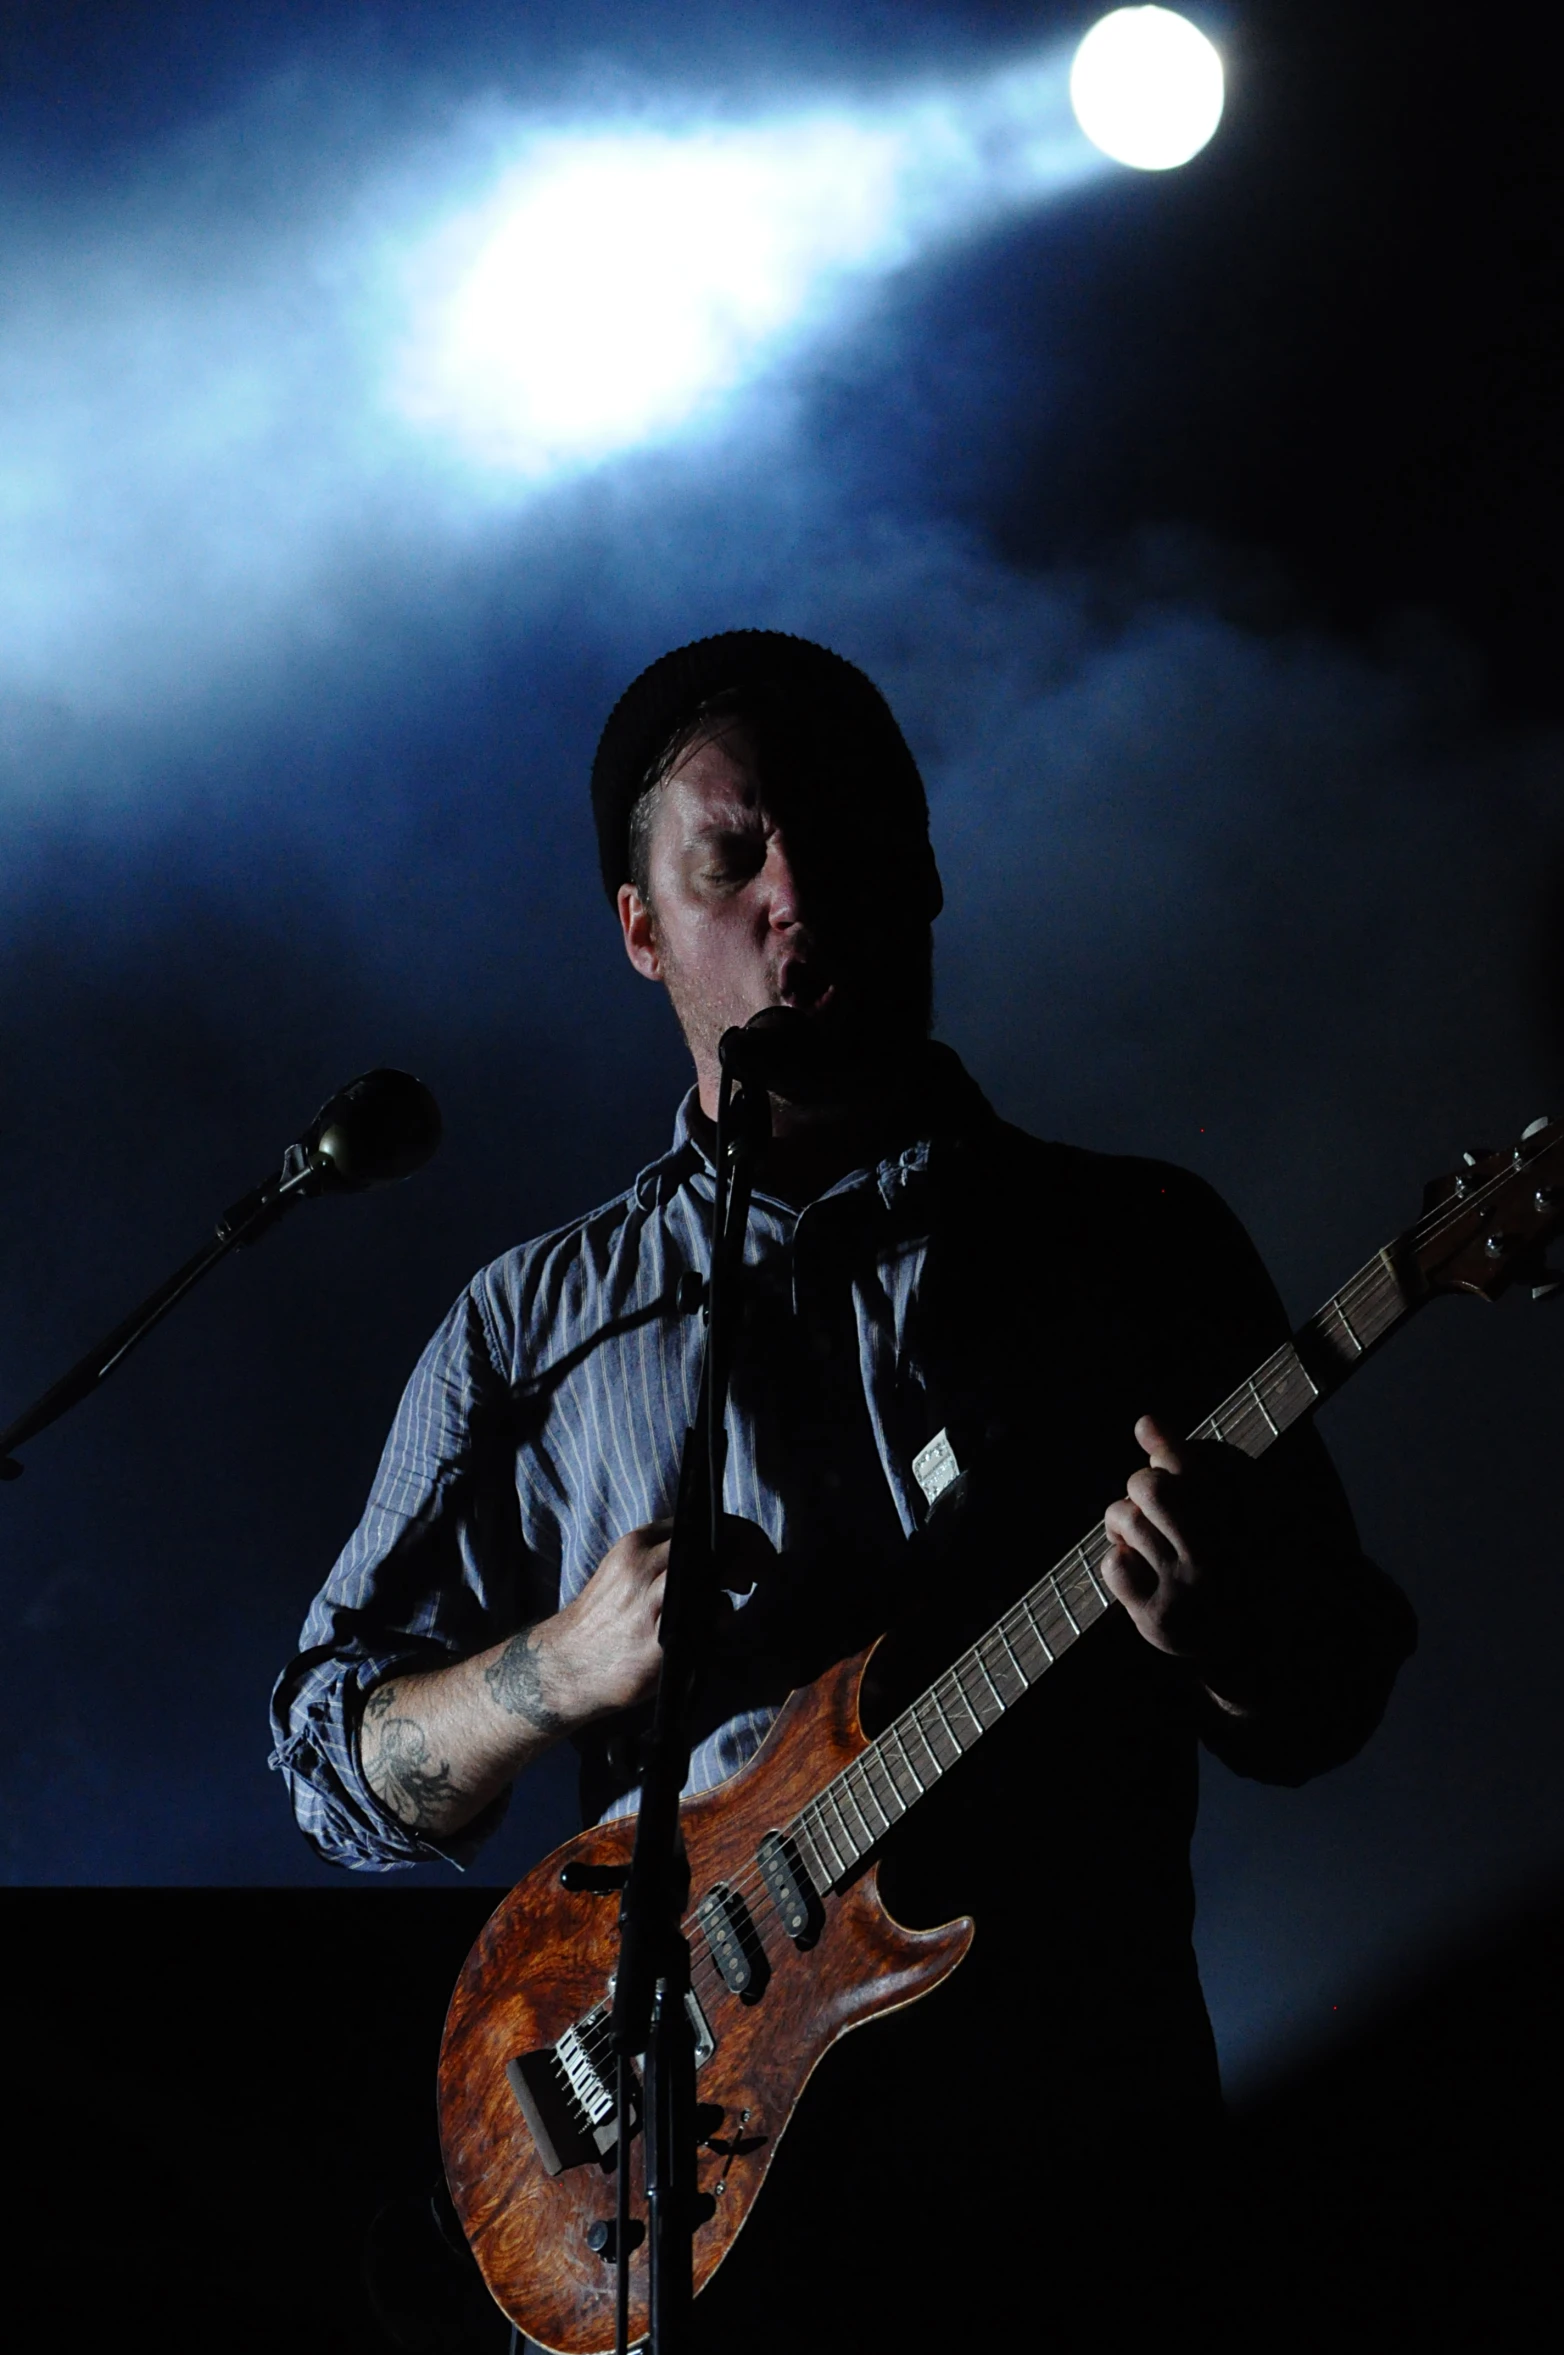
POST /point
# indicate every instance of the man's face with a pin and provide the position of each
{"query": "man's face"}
(764, 894)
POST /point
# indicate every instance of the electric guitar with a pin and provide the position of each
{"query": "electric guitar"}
(790, 1943)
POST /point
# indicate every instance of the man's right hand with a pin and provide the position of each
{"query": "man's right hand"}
(437, 1748)
(601, 1653)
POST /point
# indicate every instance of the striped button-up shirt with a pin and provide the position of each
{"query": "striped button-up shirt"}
(547, 1418)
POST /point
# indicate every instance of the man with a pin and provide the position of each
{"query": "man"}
(915, 1266)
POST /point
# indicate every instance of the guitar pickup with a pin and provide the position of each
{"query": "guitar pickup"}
(734, 1941)
(791, 1890)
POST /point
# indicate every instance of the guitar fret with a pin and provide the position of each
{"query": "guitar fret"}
(821, 1832)
(979, 1720)
(1084, 1607)
(1059, 1633)
(1361, 1313)
(839, 1792)
(1031, 1621)
(886, 1797)
(1271, 1400)
(916, 1718)
(982, 1668)
(909, 1790)
(1390, 1303)
(1022, 1678)
(832, 1793)
(1293, 1389)
(1026, 1647)
(809, 1849)
(901, 1744)
(873, 1757)
(852, 1786)
(1250, 1417)
(958, 1746)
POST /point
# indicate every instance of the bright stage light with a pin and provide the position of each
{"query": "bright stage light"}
(613, 283)
(616, 285)
(1146, 86)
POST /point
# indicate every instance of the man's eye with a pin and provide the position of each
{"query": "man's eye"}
(733, 860)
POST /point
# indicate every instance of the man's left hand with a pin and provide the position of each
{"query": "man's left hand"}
(1184, 1536)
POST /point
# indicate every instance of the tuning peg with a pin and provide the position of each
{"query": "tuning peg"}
(1534, 1128)
(1549, 1281)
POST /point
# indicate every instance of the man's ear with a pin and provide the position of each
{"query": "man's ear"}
(640, 935)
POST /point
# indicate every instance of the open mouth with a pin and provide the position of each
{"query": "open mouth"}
(805, 987)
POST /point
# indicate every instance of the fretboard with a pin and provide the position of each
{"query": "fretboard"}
(854, 1812)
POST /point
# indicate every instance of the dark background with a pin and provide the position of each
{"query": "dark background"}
(1203, 529)
(180, 2174)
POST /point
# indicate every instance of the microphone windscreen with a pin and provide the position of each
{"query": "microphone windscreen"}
(792, 1055)
(381, 1126)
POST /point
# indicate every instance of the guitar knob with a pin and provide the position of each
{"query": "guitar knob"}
(602, 2237)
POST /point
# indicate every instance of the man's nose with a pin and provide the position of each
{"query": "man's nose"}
(784, 890)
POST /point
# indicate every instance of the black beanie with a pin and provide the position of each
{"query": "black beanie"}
(672, 691)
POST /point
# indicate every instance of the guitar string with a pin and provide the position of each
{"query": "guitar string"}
(1091, 1550)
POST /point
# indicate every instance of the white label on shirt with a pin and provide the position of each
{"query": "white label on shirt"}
(935, 1467)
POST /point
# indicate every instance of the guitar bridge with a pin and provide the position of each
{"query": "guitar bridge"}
(565, 2091)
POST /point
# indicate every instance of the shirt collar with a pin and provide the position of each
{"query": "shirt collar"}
(950, 1107)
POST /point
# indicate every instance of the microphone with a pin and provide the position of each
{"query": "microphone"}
(380, 1127)
(796, 1056)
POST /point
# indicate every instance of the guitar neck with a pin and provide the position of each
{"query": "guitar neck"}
(855, 1811)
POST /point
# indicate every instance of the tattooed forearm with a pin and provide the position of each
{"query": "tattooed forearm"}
(415, 1786)
(516, 1681)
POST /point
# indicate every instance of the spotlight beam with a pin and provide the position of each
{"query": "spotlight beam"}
(617, 285)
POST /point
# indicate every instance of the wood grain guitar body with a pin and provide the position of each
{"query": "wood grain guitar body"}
(542, 1966)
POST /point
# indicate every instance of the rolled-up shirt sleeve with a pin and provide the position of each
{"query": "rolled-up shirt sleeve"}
(435, 1571)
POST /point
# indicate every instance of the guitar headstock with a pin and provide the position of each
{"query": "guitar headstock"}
(1488, 1224)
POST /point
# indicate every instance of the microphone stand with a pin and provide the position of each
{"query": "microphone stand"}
(245, 1222)
(384, 1124)
(651, 2014)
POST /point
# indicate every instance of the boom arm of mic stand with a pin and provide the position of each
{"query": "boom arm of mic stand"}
(245, 1222)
